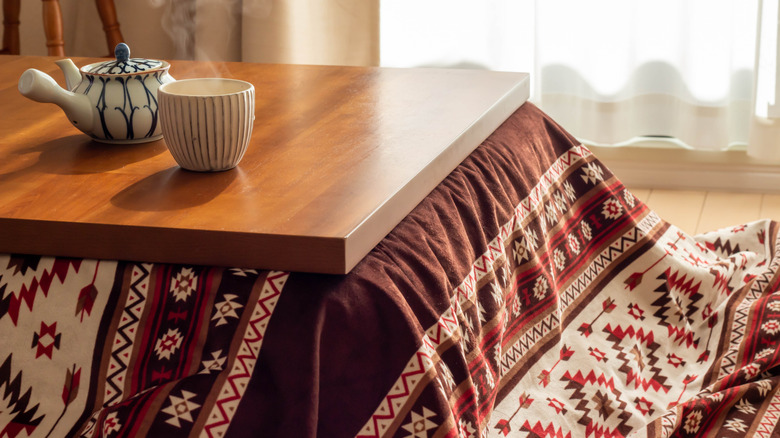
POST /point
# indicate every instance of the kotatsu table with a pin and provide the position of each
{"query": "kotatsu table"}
(338, 156)
(528, 294)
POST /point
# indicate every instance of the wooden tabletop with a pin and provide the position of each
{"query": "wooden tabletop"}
(339, 155)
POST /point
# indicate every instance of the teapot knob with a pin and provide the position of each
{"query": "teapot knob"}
(122, 52)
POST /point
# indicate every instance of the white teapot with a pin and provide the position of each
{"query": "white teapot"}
(112, 101)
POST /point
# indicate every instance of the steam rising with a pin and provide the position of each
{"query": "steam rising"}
(208, 30)
(178, 21)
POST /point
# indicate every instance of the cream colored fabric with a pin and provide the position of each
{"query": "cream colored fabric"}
(609, 71)
(338, 32)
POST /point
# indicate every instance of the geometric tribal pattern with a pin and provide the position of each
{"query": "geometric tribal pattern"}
(530, 294)
(622, 340)
(154, 321)
(229, 394)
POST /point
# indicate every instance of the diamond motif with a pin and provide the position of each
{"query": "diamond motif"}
(736, 425)
(168, 344)
(184, 284)
(226, 309)
(216, 363)
(111, 424)
(593, 173)
(420, 424)
(46, 340)
(612, 209)
(693, 421)
(180, 408)
(771, 326)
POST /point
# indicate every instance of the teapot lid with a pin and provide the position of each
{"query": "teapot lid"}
(124, 64)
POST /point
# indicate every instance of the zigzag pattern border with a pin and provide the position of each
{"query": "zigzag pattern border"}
(465, 292)
(420, 363)
(126, 331)
(729, 361)
(539, 330)
(762, 281)
(597, 266)
(766, 427)
(234, 386)
(615, 249)
(669, 423)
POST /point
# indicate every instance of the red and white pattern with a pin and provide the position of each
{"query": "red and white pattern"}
(244, 360)
(608, 358)
(530, 295)
(413, 375)
(126, 332)
(48, 309)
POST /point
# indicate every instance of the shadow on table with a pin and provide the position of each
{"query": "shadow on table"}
(174, 189)
(65, 156)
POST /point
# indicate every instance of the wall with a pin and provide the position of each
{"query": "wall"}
(84, 33)
(340, 32)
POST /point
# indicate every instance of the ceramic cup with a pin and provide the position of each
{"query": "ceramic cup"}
(207, 123)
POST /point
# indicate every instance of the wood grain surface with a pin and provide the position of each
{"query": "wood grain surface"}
(339, 155)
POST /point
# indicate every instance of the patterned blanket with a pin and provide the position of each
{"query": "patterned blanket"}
(530, 294)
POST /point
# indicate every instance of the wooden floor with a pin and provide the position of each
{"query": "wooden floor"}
(701, 211)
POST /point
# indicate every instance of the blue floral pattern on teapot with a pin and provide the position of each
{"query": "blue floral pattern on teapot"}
(112, 101)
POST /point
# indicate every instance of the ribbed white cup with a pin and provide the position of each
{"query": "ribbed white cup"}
(207, 123)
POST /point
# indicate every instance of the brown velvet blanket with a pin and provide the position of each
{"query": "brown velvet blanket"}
(530, 294)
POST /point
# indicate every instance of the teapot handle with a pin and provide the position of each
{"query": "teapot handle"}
(40, 87)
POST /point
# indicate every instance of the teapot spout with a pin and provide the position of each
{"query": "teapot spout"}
(71, 72)
(40, 87)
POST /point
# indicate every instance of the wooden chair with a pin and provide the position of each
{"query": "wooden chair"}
(52, 26)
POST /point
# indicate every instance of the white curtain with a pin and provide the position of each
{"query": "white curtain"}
(764, 140)
(703, 72)
(610, 71)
